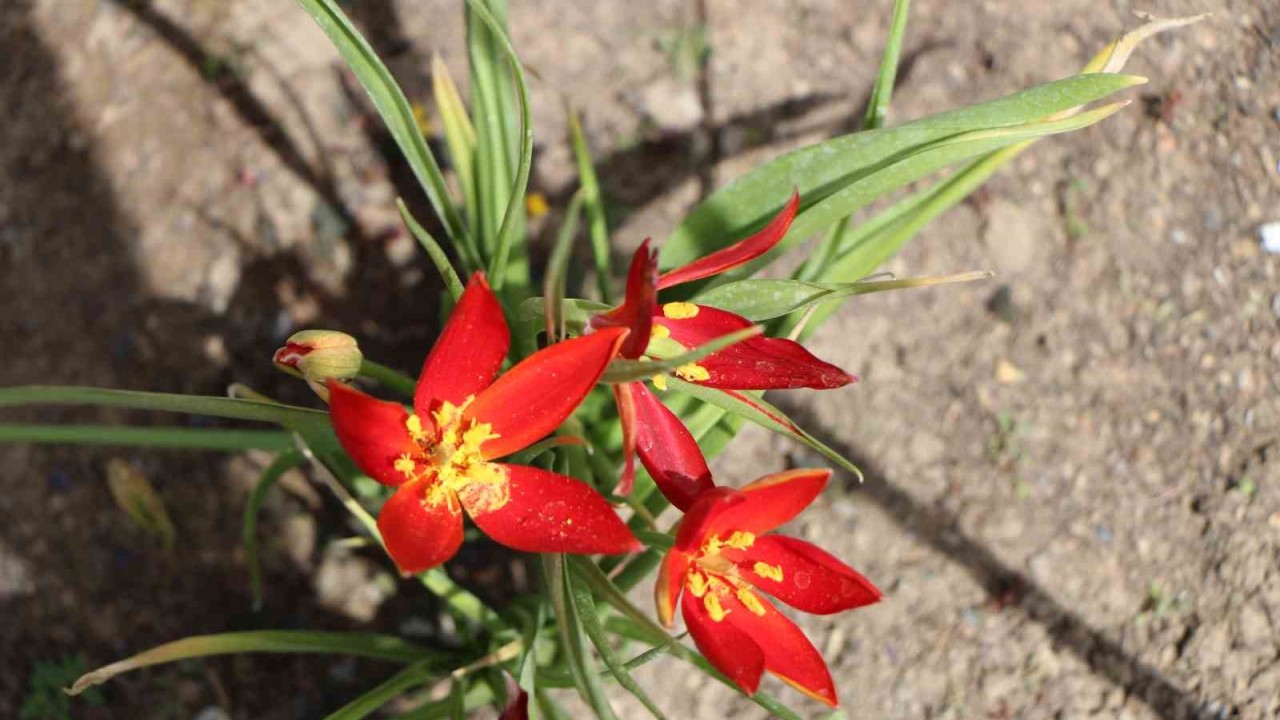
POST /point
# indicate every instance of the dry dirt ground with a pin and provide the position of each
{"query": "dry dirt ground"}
(1073, 493)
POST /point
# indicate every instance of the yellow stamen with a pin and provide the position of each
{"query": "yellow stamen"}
(711, 601)
(660, 382)
(660, 332)
(414, 425)
(405, 466)
(741, 540)
(771, 572)
(752, 602)
(693, 372)
(679, 311)
(698, 583)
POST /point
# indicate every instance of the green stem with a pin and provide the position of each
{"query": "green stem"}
(270, 477)
(388, 378)
(184, 438)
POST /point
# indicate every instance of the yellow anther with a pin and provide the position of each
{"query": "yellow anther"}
(660, 332)
(405, 465)
(741, 540)
(771, 572)
(697, 583)
(660, 382)
(693, 372)
(679, 310)
(711, 601)
(752, 602)
(414, 425)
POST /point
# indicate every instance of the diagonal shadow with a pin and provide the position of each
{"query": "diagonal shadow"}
(941, 531)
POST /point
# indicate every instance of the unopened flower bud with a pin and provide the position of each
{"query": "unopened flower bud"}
(317, 355)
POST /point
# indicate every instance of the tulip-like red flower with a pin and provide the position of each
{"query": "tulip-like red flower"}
(440, 457)
(722, 559)
(665, 446)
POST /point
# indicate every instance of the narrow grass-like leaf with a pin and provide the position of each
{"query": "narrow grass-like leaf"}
(513, 215)
(610, 593)
(282, 463)
(148, 437)
(585, 608)
(756, 410)
(597, 220)
(821, 170)
(629, 629)
(573, 643)
(766, 298)
(553, 285)
(621, 371)
(393, 107)
(437, 254)
(381, 647)
(231, 408)
(882, 91)
(391, 688)
(135, 495)
(459, 133)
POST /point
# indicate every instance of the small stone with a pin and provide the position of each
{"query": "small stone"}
(671, 104)
(1178, 236)
(1008, 374)
(1270, 235)
(1274, 520)
(211, 712)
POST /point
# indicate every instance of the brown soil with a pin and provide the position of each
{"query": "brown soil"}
(1073, 501)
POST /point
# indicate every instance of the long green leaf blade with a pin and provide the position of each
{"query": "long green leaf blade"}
(380, 647)
(148, 437)
(437, 254)
(394, 686)
(232, 408)
(597, 220)
(760, 299)
(278, 467)
(392, 106)
(621, 371)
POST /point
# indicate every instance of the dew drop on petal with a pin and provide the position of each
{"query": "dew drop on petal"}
(802, 579)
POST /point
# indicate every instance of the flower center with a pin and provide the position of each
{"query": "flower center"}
(714, 577)
(452, 455)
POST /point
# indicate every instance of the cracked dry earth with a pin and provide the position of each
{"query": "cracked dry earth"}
(1072, 497)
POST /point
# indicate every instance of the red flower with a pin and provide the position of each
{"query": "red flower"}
(723, 559)
(440, 456)
(665, 447)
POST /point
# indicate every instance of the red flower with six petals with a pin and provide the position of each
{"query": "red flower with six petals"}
(722, 559)
(440, 457)
(665, 446)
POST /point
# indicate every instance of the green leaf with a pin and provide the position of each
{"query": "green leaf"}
(621, 371)
(380, 647)
(756, 410)
(459, 135)
(597, 221)
(392, 106)
(437, 254)
(571, 636)
(610, 593)
(629, 629)
(394, 686)
(878, 104)
(766, 298)
(553, 285)
(823, 170)
(150, 437)
(278, 467)
(585, 608)
(496, 96)
(232, 408)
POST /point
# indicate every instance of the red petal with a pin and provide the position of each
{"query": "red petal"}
(758, 363)
(418, 535)
(534, 397)
(624, 396)
(704, 516)
(468, 353)
(812, 580)
(668, 450)
(542, 511)
(771, 501)
(787, 652)
(738, 253)
(372, 431)
(730, 650)
(636, 310)
(671, 577)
